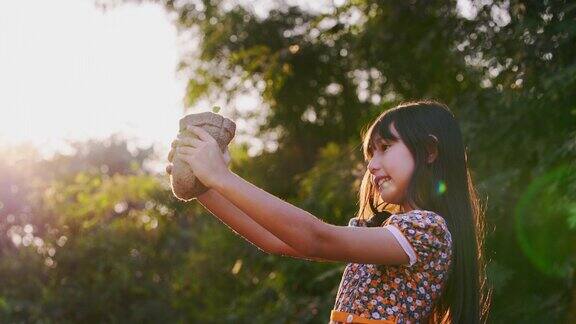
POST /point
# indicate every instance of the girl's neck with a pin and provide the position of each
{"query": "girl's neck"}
(405, 207)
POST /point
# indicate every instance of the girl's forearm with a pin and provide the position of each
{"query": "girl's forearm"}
(292, 225)
(239, 222)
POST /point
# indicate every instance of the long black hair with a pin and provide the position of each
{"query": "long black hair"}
(444, 187)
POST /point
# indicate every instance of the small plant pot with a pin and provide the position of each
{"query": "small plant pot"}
(185, 185)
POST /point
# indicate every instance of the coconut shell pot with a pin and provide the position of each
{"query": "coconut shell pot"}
(185, 185)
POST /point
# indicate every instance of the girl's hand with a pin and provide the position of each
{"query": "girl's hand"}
(183, 140)
(204, 157)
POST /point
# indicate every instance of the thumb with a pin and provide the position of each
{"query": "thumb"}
(227, 157)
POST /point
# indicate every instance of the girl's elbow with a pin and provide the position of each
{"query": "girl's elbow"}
(283, 249)
(308, 250)
(276, 250)
(307, 245)
(268, 251)
(288, 251)
(317, 239)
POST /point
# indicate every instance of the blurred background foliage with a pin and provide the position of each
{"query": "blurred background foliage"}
(96, 236)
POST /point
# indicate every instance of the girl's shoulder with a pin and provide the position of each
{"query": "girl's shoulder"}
(421, 221)
(421, 215)
(417, 217)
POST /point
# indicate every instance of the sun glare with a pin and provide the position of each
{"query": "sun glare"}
(71, 71)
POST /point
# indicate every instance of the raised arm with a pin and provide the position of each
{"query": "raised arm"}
(294, 226)
(241, 223)
(367, 245)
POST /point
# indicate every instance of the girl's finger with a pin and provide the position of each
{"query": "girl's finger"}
(188, 141)
(169, 169)
(186, 134)
(185, 150)
(200, 132)
(227, 157)
(184, 158)
(171, 154)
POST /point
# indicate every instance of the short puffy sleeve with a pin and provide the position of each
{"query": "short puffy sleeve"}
(423, 235)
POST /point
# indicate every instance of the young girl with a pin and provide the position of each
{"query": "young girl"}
(416, 260)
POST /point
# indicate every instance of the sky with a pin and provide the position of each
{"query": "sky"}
(71, 71)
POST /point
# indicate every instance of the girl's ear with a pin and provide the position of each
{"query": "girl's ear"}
(432, 148)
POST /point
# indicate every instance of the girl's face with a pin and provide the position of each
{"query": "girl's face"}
(392, 160)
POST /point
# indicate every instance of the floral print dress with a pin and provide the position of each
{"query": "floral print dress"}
(401, 293)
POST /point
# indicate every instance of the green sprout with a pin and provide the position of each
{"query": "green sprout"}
(215, 109)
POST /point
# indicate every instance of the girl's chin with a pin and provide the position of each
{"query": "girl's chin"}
(387, 192)
(386, 188)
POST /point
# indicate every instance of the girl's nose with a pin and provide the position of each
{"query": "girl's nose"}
(372, 166)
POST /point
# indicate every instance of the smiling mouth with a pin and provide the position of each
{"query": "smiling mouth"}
(385, 182)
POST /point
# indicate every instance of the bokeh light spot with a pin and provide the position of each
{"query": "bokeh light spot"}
(543, 219)
(440, 188)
